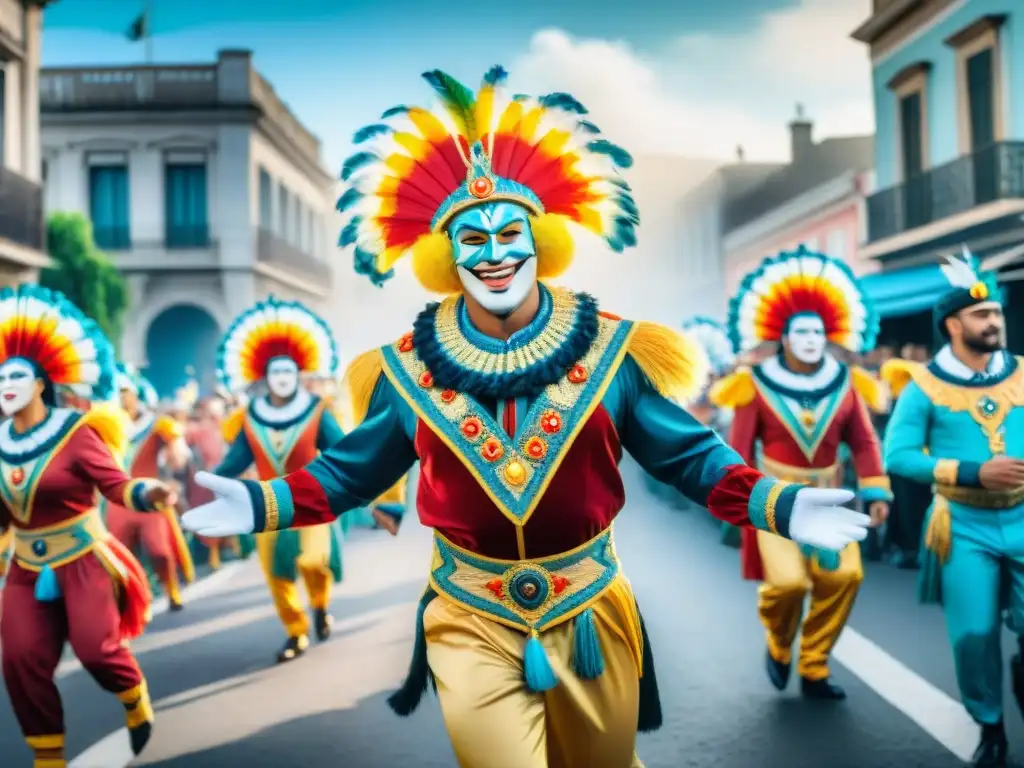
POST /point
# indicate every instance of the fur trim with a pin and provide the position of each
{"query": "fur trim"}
(874, 392)
(554, 243)
(735, 390)
(232, 425)
(898, 373)
(675, 364)
(361, 379)
(167, 429)
(433, 263)
(113, 424)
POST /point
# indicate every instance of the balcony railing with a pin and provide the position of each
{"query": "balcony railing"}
(993, 173)
(275, 252)
(21, 210)
(187, 236)
(107, 238)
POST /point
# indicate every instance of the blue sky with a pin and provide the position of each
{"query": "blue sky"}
(339, 63)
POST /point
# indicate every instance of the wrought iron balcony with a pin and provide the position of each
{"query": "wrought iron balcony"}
(993, 173)
(21, 210)
(187, 236)
(276, 252)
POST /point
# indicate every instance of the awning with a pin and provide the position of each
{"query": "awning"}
(905, 291)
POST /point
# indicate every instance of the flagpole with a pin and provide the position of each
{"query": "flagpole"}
(149, 32)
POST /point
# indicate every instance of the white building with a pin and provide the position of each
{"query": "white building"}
(22, 226)
(204, 190)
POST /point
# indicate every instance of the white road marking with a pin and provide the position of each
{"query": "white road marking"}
(935, 712)
(114, 751)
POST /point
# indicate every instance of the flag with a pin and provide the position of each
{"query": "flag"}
(139, 30)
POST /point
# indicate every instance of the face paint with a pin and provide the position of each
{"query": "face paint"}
(495, 255)
(17, 386)
(282, 377)
(806, 339)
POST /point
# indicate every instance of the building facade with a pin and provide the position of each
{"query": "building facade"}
(22, 225)
(203, 189)
(949, 154)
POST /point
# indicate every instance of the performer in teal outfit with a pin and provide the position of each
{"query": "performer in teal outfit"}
(959, 423)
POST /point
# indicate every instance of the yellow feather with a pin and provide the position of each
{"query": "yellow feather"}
(232, 425)
(871, 389)
(387, 258)
(402, 165)
(553, 143)
(898, 373)
(484, 111)
(510, 118)
(529, 123)
(735, 390)
(113, 424)
(360, 379)
(433, 130)
(168, 429)
(675, 364)
(414, 145)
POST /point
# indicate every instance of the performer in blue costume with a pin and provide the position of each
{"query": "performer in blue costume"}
(959, 423)
(518, 398)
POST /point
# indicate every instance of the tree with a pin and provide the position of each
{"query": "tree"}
(84, 274)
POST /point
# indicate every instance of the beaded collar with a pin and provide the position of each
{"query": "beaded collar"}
(461, 358)
(16, 448)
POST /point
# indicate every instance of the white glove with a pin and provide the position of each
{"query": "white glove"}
(818, 519)
(229, 514)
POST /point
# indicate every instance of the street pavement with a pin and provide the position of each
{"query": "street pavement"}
(221, 701)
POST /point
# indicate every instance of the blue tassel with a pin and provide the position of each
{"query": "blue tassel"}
(587, 659)
(47, 586)
(540, 676)
(404, 701)
(827, 559)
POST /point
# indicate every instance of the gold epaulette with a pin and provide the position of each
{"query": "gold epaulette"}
(735, 390)
(168, 429)
(232, 425)
(361, 379)
(674, 363)
(897, 373)
(873, 391)
(113, 424)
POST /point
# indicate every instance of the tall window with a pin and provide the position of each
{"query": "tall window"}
(911, 131)
(185, 205)
(108, 206)
(981, 102)
(3, 113)
(298, 216)
(266, 201)
(283, 212)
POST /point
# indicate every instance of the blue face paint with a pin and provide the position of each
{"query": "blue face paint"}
(487, 235)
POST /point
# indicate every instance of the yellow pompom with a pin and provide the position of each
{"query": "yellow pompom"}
(433, 263)
(555, 246)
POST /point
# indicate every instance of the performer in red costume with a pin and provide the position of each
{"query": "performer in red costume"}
(156, 446)
(518, 398)
(801, 406)
(70, 581)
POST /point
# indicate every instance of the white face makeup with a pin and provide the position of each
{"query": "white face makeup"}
(282, 377)
(17, 386)
(806, 339)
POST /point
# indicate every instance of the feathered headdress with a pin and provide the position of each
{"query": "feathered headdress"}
(273, 329)
(68, 348)
(968, 286)
(802, 282)
(129, 377)
(417, 168)
(714, 338)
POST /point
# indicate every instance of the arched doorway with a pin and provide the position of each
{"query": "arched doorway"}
(182, 342)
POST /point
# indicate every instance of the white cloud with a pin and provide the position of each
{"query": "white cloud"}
(708, 93)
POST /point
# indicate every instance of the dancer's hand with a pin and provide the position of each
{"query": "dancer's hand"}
(229, 514)
(819, 519)
(1002, 474)
(879, 511)
(160, 495)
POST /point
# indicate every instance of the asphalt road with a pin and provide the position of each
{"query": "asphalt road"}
(221, 701)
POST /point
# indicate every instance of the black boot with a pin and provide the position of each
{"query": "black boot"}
(778, 673)
(293, 648)
(991, 751)
(823, 689)
(323, 622)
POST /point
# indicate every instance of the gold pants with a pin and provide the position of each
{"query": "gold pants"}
(318, 580)
(788, 577)
(495, 722)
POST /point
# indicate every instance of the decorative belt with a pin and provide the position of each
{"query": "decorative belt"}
(982, 498)
(528, 595)
(58, 544)
(819, 477)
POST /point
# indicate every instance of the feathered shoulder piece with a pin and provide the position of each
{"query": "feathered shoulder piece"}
(897, 373)
(168, 429)
(232, 425)
(113, 424)
(871, 389)
(735, 390)
(361, 379)
(673, 362)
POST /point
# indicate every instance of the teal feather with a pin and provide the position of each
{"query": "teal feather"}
(626, 231)
(521, 97)
(348, 198)
(496, 75)
(537, 669)
(628, 205)
(563, 101)
(588, 127)
(459, 100)
(47, 586)
(587, 659)
(366, 264)
(401, 109)
(619, 156)
(350, 233)
(370, 132)
(357, 161)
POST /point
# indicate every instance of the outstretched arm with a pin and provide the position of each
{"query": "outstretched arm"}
(95, 463)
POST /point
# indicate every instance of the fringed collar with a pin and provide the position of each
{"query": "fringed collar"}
(946, 366)
(774, 374)
(142, 425)
(461, 358)
(18, 448)
(287, 415)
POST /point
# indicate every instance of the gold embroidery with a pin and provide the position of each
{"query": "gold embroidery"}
(58, 544)
(946, 471)
(819, 477)
(770, 504)
(882, 483)
(271, 514)
(982, 498)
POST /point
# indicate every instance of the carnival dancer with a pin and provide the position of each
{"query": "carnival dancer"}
(801, 405)
(70, 580)
(518, 398)
(270, 345)
(156, 447)
(954, 426)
